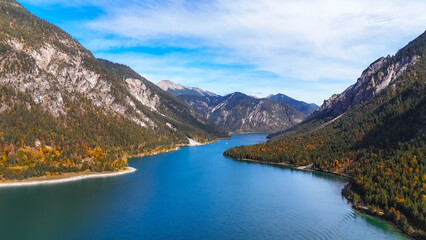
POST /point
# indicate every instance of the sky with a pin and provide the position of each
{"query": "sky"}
(306, 49)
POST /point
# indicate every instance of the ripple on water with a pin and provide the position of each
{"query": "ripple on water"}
(194, 193)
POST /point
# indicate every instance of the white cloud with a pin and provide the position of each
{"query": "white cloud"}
(273, 34)
(313, 41)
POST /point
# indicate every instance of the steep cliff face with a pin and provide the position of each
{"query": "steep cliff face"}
(372, 82)
(45, 63)
(47, 72)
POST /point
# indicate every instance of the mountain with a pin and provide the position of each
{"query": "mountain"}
(237, 112)
(63, 110)
(177, 89)
(201, 104)
(376, 78)
(303, 107)
(172, 111)
(375, 133)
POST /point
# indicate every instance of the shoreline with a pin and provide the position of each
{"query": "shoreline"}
(67, 179)
(79, 176)
(242, 133)
(176, 148)
(363, 210)
(307, 168)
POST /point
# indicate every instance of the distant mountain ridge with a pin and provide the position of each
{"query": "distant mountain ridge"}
(306, 108)
(241, 113)
(238, 112)
(177, 89)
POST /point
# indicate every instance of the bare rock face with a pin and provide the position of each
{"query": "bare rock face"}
(238, 112)
(242, 113)
(42, 61)
(373, 80)
(57, 74)
(142, 93)
(177, 89)
(52, 73)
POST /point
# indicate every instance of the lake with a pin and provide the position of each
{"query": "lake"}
(193, 193)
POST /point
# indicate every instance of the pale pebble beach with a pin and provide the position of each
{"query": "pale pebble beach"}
(69, 179)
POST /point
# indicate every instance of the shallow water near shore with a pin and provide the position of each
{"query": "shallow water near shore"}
(192, 193)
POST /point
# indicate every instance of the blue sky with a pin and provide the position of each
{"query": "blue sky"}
(307, 49)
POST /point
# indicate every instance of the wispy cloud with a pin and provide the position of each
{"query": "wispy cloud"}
(290, 45)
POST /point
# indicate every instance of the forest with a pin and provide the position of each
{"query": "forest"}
(380, 144)
(36, 139)
(35, 143)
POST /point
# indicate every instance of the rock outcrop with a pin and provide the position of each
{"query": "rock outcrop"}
(379, 75)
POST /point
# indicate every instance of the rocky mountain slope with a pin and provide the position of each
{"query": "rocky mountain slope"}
(177, 89)
(46, 76)
(238, 112)
(201, 104)
(373, 80)
(175, 113)
(373, 132)
(241, 113)
(306, 108)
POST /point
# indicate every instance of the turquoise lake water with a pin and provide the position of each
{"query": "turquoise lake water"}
(193, 193)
